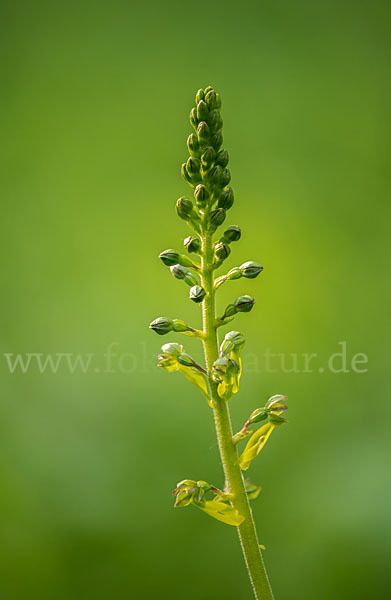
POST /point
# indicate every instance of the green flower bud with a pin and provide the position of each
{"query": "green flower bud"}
(250, 269)
(222, 251)
(181, 272)
(193, 144)
(193, 168)
(208, 89)
(185, 360)
(259, 414)
(197, 293)
(216, 140)
(210, 99)
(232, 233)
(218, 100)
(202, 111)
(186, 175)
(192, 244)
(214, 120)
(230, 311)
(161, 325)
(222, 158)
(203, 133)
(234, 273)
(184, 208)
(216, 218)
(243, 303)
(179, 326)
(215, 176)
(193, 118)
(201, 195)
(233, 340)
(189, 278)
(199, 96)
(178, 271)
(169, 257)
(225, 177)
(226, 199)
(208, 157)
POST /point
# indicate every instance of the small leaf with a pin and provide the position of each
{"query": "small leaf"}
(255, 445)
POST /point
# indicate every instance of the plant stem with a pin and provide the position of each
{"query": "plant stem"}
(228, 451)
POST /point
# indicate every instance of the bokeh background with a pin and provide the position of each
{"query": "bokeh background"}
(94, 117)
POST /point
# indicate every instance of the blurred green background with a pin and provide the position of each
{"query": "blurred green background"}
(94, 118)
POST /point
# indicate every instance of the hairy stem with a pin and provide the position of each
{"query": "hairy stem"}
(228, 451)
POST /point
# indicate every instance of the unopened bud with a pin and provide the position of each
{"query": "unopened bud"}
(243, 303)
(216, 140)
(161, 325)
(222, 158)
(250, 269)
(202, 111)
(185, 174)
(197, 294)
(193, 168)
(234, 273)
(226, 199)
(193, 118)
(208, 157)
(232, 233)
(215, 176)
(171, 257)
(181, 272)
(179, 326)
(214, 120)
(210, 99)
(259, 414)
(184, 207)
(218, 100)
(185, 359)
(199, 96)
(225, 177)
(193, 144)
(216, 218)
(222, 251)
(230, 311)
(192, 244)
(203, 133)
(201, 195)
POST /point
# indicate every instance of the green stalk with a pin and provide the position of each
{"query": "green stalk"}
(228, 453)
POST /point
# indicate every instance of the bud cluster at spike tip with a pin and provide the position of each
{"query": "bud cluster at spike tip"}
(206, 168)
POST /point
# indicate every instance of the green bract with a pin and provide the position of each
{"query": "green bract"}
(206, 171)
